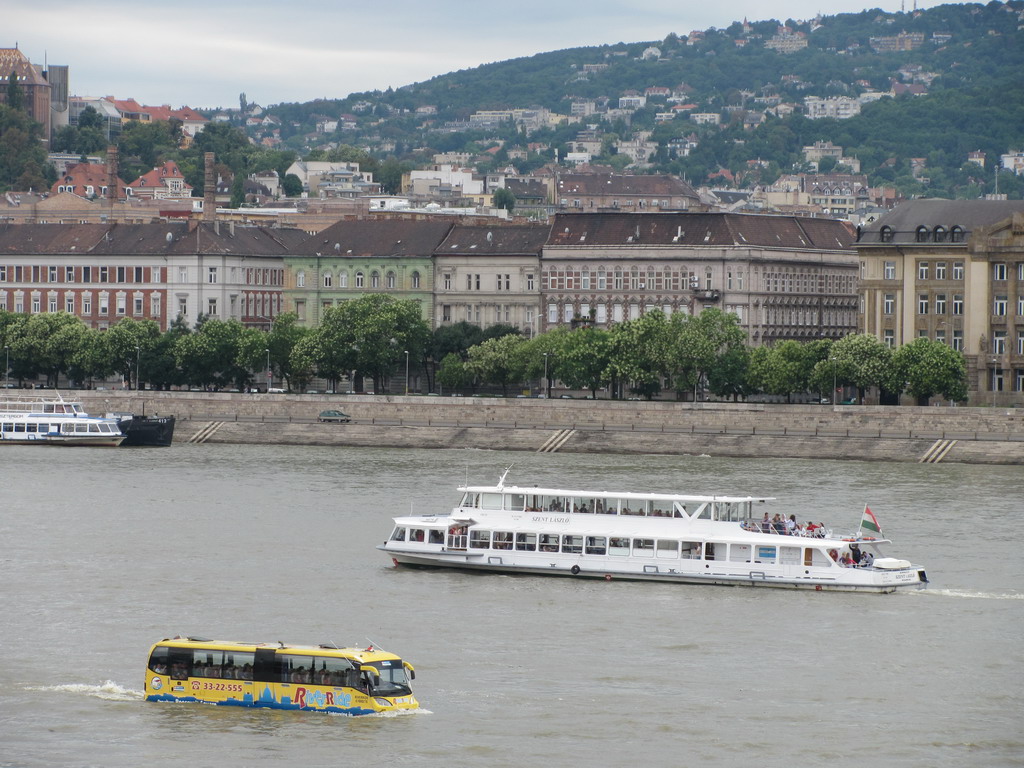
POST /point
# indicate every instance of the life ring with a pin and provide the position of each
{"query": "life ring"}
(575, 570)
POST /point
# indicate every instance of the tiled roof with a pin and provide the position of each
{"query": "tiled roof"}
(155, 178)
(905, 218)
(164, 238)
(82, 175)
(377, 238)
(700, 230)
(504, 240)
(614, 184)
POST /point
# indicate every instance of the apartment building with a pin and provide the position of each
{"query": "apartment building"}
(951, 271)
(785, 277)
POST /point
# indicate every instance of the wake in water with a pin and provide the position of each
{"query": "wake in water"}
(969, 593)
(110, 690)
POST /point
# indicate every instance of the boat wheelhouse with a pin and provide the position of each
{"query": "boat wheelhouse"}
(726, 540)
(52, 420)
(323, 678)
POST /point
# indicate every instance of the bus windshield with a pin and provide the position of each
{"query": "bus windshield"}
(394, 681)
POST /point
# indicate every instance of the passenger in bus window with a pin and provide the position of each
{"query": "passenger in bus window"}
(178, 671)
(247, 672)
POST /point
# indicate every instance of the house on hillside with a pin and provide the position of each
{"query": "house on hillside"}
(165, 182)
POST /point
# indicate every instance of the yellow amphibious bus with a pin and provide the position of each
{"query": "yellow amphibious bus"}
(324, 678)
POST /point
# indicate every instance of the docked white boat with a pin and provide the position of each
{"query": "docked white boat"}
(52, 420)
(724, 540)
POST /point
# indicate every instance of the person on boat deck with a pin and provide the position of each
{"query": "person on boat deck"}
(791, 526)
(778, 524)
(834, 554)
(820, 533)
(766, 524)
(867, 560)
(846, 561)
(855, 553)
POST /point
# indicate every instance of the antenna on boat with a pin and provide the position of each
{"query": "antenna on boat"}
(501, 480)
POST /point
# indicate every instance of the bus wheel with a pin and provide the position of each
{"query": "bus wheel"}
(575, 570)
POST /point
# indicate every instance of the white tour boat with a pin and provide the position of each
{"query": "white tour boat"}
(52, 420)
(647, 536)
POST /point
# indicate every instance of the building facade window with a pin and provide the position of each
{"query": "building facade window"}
(889, 338)
(958, 304)
(359, 279)
(999, 306)
(300, 280)
(415, 280)
(999, 271)
(958, 341)
(328, 280)
(998, 342)
(940, 270)
(889, 304)
(889, 270)
(940, 304)
(211, 275)
(447, 281)
(922, 304)
(922, 270)
(958, 270)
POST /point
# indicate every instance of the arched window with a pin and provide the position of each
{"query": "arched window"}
(343, 279)
(375, 279)
(328, 280)
(415, 279)
(885, 234)
(300, 279)
(956, 234)
(359, 280)
(922, 234)
(391, 280)
(939, 233)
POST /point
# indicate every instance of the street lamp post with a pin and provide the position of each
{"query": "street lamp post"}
(7, 367)
(138, 355)
(407, 372)
(270, 372)
(835, 363)
(547, 384)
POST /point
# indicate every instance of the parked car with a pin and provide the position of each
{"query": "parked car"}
(334, 416)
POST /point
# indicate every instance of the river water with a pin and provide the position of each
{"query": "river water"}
(107, 550)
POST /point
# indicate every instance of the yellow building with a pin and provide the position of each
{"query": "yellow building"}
(951, 271)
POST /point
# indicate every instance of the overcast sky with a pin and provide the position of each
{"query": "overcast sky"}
(203, 53)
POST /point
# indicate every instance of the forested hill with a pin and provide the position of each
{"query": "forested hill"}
(961, 64)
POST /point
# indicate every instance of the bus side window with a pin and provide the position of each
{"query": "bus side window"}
(180, 662)
(158, 661)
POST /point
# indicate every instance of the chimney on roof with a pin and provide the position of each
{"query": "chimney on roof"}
(112, 173)
(209, 190)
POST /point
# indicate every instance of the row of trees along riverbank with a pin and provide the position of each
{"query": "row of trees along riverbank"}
(377, 337)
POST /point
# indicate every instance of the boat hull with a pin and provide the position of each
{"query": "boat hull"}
(96, 441)
(911, 579)
(148, 431)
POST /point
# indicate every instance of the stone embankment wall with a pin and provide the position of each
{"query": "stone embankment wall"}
(898, 433)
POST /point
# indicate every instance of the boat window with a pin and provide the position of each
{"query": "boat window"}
(94, 427)
(416, 534)
(691, 550)
(398, 534)
(30, 427)
(19, 426)
(503, 540)
(597, 545)
(709, 550)
(600, 507)
(479, 539)
(643, 547)
(764, 554)
(44, 428)
(8, 427)
(534, 503)
(618, 546)
(641, 507)
(661, 509)
(703, 512)
(668, 548)
(526, 542)
(572, 545)
(516, 502)
(739, 553)
(679, 510)
(624, 508)
(549, 542)
(435, 536)
(552, 503)
(490, 500)
(818, 557)
(789, 555)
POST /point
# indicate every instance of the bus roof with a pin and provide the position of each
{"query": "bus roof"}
(368, 654)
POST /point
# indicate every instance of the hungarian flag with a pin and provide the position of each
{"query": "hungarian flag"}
(869, 523)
